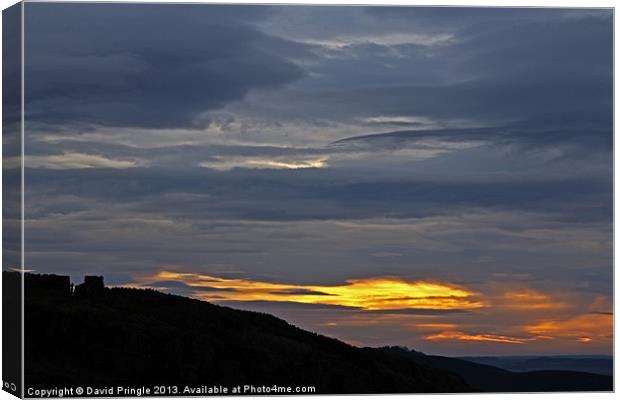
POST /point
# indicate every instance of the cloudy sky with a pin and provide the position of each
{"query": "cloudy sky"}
(439, 178)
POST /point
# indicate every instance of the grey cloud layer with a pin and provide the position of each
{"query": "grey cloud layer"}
(121, 66)
(156, 67)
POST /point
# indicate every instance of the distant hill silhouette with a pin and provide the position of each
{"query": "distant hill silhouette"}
(603, 365)
(98, 336)
(493, 379)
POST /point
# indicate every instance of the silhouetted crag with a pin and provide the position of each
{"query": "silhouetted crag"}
(100, 336)
(492, 379)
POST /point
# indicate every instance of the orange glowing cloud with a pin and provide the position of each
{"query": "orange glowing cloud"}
(376, 293)
(435, 326)
(530, 299)
(584, 328)
(478, 337)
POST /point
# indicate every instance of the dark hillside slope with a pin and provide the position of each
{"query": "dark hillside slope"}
(143, 337)
(492, 379)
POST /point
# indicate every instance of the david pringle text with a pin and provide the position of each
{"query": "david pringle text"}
(163, 390)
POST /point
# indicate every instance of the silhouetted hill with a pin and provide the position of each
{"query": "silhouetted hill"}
(603, 365)
(97, 336)
(493, 379)
(101, 336)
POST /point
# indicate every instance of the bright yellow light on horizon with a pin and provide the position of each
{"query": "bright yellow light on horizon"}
(481, 337)
(377, 293)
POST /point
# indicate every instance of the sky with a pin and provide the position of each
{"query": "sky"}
(436, 178)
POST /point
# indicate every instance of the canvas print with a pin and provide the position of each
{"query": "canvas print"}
(207, 199)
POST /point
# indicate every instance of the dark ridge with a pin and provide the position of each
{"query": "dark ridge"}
(488, 378)
(603, 365)
(97, 336)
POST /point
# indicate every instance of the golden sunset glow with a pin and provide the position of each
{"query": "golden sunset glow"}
(436, 326)
(376, 293)
(541, 320)
(584, 328)
(529, 299)
(461, 336)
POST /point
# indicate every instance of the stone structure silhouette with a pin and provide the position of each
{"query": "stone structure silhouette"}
(48, 285)
(59, 285)
(93, 286)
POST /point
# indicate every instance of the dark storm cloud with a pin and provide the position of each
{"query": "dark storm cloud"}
(462, 18)
(11, 70)
(156, 66)
(537, 68)
(521, 97)
(511, 97)
(286, 195)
